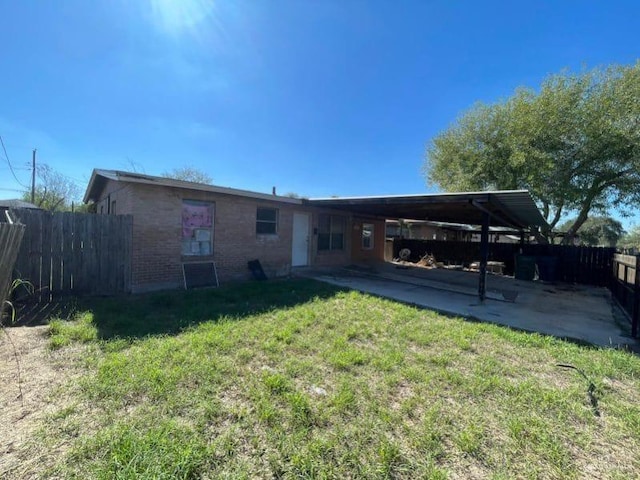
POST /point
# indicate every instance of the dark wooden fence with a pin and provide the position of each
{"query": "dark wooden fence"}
(625, 287)
(10, 237)
(74, 253)
(581, 265)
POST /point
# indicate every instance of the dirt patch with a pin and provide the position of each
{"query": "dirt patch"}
(27, 402)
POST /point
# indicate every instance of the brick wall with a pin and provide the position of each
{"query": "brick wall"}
(118, 192)
(236, 241)
(157, 234)
(157, 237)
(377, 252)
(156, 262)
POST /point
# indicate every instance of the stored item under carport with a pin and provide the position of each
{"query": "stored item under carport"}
(525, 267)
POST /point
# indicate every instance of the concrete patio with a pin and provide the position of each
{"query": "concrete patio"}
(576, 312)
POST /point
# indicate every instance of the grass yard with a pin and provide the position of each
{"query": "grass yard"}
(298, 379)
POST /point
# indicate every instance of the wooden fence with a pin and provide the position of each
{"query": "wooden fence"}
(625, 287)
(581, 265)
(74, 253)
(10, 237)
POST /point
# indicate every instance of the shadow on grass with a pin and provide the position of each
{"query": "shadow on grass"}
(167, 313)
(31, 313)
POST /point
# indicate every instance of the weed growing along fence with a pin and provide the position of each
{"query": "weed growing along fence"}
(75, 253)
(10, 237)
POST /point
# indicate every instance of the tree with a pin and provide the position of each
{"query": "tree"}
(54, 191)
(574, 144)
(188, 174)
(597, 231)
(631, 239)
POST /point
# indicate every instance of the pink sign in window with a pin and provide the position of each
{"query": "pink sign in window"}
(197, 227)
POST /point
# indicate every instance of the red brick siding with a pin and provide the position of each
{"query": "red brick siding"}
(121, 193)
(377, 252)
(334, 257)
(157, 235)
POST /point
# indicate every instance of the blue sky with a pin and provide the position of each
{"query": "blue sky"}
(315, 97)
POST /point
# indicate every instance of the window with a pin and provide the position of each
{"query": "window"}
(367, 236)
(330, 232)
(197, 228)
(113, 207)
(267, 221)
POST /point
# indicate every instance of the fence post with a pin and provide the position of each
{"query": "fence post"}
(635, 312)
(614, 273)
(625, 298)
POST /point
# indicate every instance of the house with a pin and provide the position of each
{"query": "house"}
(178, 225)
(178, 222)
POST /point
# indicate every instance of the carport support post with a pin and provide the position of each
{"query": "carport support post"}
(484, 255)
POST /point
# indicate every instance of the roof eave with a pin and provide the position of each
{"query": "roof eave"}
(141, 179)
(88, 191)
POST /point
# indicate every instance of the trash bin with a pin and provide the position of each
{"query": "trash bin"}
(525, 267)
(547, 268)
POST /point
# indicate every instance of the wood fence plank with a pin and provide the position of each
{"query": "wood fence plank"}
(95, 250)
(35, 250)
(82, 275)
(116, 245)
(127, 238)
(113, 241)
(22, 265)
(10, 242)
(119, 273)
(45, 263)
(67, 255)
(89, 245)
(56, 253)
(103, 233)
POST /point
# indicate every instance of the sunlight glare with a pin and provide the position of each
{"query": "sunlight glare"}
(178, 17)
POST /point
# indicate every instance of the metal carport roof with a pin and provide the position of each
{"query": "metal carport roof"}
(504, 208)
(507, 208)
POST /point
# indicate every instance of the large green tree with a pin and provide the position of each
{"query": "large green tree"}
(597, 231)
(574, 144)
(631, 239)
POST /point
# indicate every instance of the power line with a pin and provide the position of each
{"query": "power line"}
(6, 156)
(11, 190)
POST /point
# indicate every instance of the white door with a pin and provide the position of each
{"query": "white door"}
(300, 242)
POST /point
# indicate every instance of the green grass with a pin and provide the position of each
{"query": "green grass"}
(296, 379)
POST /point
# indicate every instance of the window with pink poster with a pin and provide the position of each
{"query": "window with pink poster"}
(197, 228)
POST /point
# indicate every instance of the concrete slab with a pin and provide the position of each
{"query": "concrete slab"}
(577, 312)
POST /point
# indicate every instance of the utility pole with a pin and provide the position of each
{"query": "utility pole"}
(33, 178)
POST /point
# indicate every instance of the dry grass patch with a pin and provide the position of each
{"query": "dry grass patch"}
(41, 387)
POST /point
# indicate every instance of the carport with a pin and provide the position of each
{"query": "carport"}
(504, 208)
